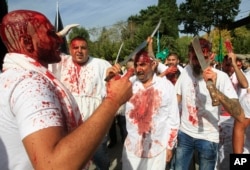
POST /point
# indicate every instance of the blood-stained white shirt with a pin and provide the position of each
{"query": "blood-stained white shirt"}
(28, 103)
(86, 83)
(199, 119)
(152, 118)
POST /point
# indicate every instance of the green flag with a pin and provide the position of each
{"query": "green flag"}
(219, 56)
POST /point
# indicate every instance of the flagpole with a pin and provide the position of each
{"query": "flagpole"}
(57, 16)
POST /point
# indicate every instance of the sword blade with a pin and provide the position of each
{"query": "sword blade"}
(137, 49)
(198, 51)
(118, 54)
(141, 46)
(204, 64)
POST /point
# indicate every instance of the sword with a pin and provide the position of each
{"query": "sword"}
(118, 54)
(111, 75)
(204, 64)
(138, 48)
(141, 46)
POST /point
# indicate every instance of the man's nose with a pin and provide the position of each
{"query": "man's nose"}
(79, 49)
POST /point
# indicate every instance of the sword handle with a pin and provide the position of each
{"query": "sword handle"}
(213, 93)
(109, 77)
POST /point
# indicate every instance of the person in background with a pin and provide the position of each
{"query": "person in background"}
(120, 119)
(173, 70)
(241, 129)
(231, 65)
(199, 129)
(246, 64)
(41, 125)
(152, 118)
(173, 60)
(84, 76)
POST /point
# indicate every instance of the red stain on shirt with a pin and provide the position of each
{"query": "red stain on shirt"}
(51, 77)
(193, 115)
(146, 102)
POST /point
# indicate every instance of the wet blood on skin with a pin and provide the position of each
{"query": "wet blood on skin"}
(14, 32)
(145, 105)
(173, 135)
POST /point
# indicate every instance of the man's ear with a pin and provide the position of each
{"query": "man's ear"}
(154, 64)
(27, 43)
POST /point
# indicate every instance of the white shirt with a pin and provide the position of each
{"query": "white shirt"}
(87, 84)
(27, 105)
(199, 119)
(152, 118)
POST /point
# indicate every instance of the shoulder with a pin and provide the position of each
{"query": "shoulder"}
(99, 61)
(27, 82)
(180, 68)
(163, 81)
(220, 74)
(65, 56)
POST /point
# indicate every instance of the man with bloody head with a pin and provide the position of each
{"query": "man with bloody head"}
(173, 70)
(231, 65)
(84, 76)
(152, 118)
(199, 118)
(41, 126)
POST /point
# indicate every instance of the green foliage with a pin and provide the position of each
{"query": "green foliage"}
(200, 15)
(241, 41)
(195, 15)
(78, 31)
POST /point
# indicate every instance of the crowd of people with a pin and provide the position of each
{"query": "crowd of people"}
(58, 112)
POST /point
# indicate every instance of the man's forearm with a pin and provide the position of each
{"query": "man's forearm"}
(231, 105)
(238, 137)
(241, 77)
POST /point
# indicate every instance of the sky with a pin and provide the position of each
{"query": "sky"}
(96, 13)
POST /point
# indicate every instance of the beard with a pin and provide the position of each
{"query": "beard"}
(49, 56)
(197, 71)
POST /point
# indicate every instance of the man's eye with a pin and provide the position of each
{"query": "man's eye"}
(82, 48)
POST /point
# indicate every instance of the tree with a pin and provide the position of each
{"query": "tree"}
(78, 31)
(141, 26)
(182, 45)
(241, 40)
(107, 45)
(200, 15)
